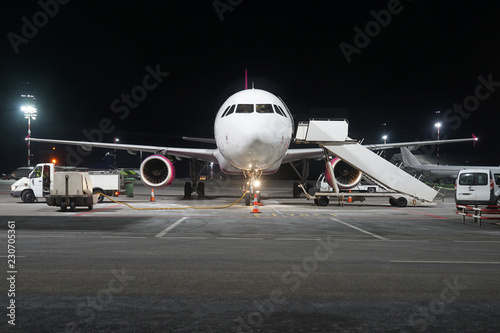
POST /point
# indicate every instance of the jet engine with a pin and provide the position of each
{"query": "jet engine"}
(157, 171)
(346, 176)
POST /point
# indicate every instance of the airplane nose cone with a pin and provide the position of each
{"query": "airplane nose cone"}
(254, 150)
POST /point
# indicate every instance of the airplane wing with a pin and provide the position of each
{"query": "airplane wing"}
(204, 140)
(418, 143)
(196, 153)
(208, 154)
(303, 153)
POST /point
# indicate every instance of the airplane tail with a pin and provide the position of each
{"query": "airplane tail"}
(246, 80)
(408, 158)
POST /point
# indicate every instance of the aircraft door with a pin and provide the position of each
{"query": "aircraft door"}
(46, 179)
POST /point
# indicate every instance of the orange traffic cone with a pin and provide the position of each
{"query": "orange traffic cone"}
(255, 205)
(350, 198)
(152, 195)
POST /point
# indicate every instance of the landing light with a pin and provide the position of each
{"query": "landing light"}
(256, 183)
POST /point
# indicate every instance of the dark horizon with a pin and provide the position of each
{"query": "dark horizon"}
(375, 63)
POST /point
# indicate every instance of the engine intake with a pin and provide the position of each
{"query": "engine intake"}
(346, 176)
(157, 171)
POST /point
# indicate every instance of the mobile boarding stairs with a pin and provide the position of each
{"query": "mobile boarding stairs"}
(332, 136)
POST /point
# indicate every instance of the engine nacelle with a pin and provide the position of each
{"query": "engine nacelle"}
(346, 176)
(157, 171)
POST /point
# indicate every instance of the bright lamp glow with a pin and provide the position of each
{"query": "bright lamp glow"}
(438, 125)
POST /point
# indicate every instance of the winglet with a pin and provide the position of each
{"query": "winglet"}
(246, 80)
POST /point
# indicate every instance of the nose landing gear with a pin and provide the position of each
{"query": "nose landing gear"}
(252, 187)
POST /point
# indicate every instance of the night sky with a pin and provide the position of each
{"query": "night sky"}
(373, 62)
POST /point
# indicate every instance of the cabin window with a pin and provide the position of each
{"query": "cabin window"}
(229, 110)
(244, 108)
(264, 108)
(279, 111)
(225, 111)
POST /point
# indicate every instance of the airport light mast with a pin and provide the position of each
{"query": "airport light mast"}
(30, 112)
(114, 155)
(384, 137)
(438, 125)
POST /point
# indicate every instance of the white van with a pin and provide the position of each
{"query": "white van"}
(478, 187)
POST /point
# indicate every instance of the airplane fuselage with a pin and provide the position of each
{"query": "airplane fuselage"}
(253, 129)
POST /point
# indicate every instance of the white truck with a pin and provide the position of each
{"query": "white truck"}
(40, 182)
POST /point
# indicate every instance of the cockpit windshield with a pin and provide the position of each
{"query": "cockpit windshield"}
(264, 108)
(244, 108)
(250, 108)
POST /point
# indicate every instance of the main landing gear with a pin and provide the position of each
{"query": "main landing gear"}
(309, 186)
(195, 186)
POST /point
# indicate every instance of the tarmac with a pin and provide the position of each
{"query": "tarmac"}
(293, 267)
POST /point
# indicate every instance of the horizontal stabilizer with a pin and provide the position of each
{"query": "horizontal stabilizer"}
(205, 140)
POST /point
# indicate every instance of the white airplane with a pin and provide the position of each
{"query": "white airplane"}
(432, 170)
(253, 131)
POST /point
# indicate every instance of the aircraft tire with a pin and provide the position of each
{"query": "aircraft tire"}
(188, 189)
(63, 206)
(247, 199)
(72, 206)
(200, 189)
(392, 201)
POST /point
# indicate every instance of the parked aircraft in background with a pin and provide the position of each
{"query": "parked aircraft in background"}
(432, 170)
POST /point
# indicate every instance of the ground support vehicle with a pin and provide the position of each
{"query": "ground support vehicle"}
(395, 199)
(332, 136)
(478, 187)
(39, 183)
(72, 189)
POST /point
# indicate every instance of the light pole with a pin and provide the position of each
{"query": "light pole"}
(114, 155)
(438, 125)
(30, 112)
(384, 137)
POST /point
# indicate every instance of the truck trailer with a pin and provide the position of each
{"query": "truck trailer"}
(71, 189)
